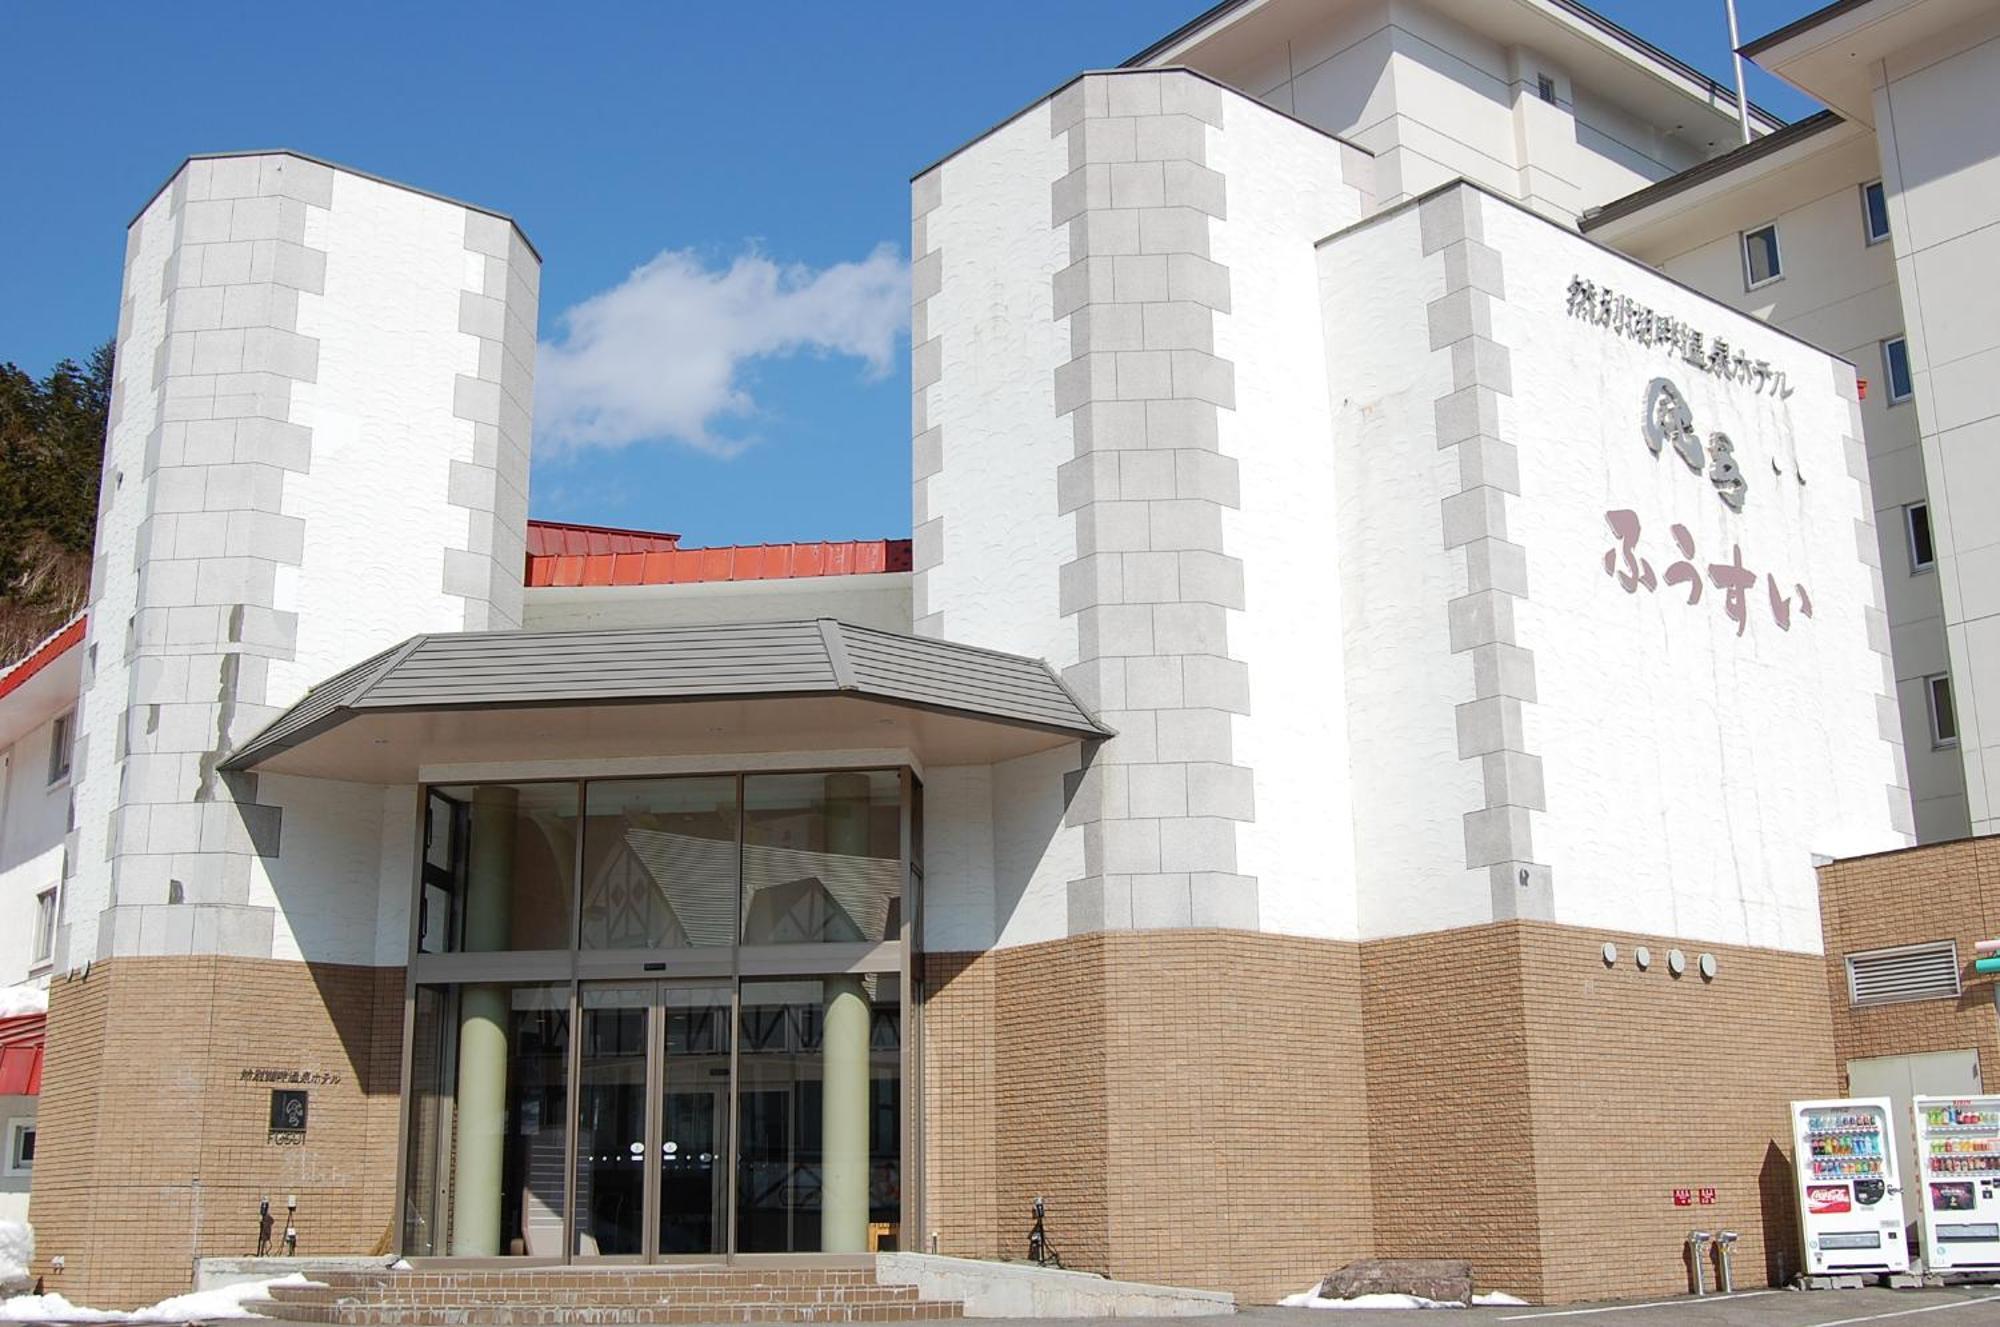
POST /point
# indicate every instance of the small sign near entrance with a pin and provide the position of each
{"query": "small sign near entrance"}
(288, 1111)
(1706, 1196)
(1683, 1197)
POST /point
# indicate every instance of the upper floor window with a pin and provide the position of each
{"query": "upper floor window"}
(1875, 212)
(1896, 368)
(1917, 521)
(62, 737)
(45, 925)
(1545, 88)
(1761, 263)
(1944, 719)
(21, 1146)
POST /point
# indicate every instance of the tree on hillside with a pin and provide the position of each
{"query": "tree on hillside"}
(51, 449)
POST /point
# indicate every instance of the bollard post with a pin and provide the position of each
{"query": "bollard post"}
(1696, 1243)
(1724, 1282)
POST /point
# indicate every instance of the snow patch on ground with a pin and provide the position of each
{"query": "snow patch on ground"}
(17, 1250)
(18, 1000)
(1310, 1299)
(201, 1306)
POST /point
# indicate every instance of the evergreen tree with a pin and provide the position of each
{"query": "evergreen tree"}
(51, 451)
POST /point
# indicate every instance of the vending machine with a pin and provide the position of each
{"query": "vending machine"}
(1850, 1205)
(1958, 1153)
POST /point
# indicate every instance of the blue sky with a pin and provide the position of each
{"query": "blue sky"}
(748, 160)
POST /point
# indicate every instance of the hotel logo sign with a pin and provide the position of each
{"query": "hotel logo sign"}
(1621, 315)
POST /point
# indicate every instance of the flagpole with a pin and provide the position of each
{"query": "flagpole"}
(1742, 97)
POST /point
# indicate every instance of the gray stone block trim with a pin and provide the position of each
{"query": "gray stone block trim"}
(927, 441)
(498, 311)
(1152, 583)
(1875, 614)
(211, 541)
(1499, 832)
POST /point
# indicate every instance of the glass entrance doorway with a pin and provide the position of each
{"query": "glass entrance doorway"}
(652, 1120)
(661, 1018)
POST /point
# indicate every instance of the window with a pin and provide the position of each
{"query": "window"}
(1917, 524)
(1944, 719)
(1761, 264)
(1910, 972)
(21, 1146)
(45, 925)
(1896, 368)
(1874, 212)
(1545, 88)
(62, 735)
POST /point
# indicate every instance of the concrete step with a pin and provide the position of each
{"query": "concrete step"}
(588, 1315)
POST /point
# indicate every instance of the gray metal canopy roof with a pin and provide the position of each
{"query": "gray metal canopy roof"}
(457, 676)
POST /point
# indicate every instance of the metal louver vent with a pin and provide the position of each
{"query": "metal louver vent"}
(1910, 972)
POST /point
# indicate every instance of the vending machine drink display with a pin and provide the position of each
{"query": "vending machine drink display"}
(1958, 1150)
(1850, 1205)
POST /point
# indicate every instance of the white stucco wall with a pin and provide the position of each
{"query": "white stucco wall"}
(376, 522)
(1724, 760)
(881, 601)
(339, 463)
(1409, 787)
(1839, 292)
(1002, 439)
(1288, 185)
(34, 818)
(1690, 773)
(1942, 180)
(1436, 100)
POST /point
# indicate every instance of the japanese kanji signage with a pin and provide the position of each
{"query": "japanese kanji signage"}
(1667, 419)
(1624, 316)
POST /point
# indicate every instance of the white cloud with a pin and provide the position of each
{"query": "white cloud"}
(661, 355)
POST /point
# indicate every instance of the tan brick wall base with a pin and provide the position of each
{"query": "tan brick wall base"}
(154, 1146)
(1203, 1107)
(1190, 1103)
(1945, 891)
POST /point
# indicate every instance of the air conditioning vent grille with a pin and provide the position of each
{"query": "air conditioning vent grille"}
(1911, 972)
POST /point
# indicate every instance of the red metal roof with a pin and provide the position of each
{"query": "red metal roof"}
(746, 562)
(22, 1039)
(44, 654)
(553, 538)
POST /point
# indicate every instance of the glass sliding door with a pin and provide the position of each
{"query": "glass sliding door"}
(694, 1120)
(613, 1076)
(652, 1117)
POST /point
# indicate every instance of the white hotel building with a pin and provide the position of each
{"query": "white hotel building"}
(1378, 569)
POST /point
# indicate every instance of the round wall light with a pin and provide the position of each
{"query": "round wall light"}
(1706, 964)
(1610, 954)
(1677, 962)
(1643, 957)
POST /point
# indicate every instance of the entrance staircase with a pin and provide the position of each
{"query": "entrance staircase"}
(599, 1297)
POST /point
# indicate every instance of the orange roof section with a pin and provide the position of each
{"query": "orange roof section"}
(22, 1038)
(562, 555)
(44, 654)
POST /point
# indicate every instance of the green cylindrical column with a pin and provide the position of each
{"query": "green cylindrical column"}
(482, 1031)
(843, 1213)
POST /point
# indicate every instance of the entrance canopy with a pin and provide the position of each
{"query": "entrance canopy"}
(650, 691)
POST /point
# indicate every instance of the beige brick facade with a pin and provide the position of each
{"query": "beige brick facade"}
(154, 1141)
(1204, 1107)
(1947, 891)
(1246, 1111)
(1190, 1103)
